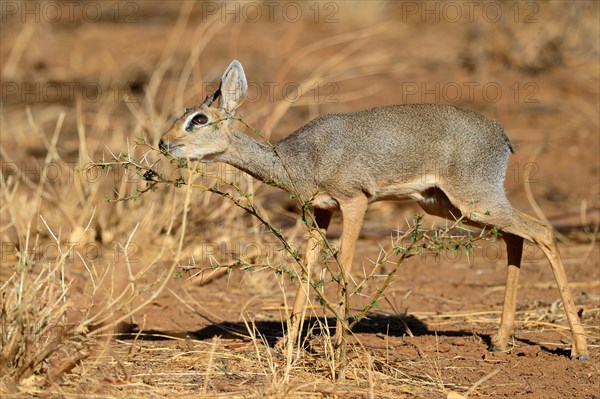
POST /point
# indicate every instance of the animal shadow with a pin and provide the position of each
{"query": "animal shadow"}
(374, 323)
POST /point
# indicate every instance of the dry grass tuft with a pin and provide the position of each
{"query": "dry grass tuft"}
(38, 344)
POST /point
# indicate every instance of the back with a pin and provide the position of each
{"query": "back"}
(399, 143)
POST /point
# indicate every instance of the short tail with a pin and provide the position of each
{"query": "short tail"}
(507, 141)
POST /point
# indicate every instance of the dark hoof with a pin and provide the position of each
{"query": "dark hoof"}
(493, 348)
(582, 357)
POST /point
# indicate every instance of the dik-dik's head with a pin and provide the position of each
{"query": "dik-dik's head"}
(203, 132)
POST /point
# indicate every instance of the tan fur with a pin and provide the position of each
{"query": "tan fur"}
(451, 161)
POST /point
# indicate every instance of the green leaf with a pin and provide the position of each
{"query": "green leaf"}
(495, 232)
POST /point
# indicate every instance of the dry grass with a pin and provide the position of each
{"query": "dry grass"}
(74, 267)
(38, 344)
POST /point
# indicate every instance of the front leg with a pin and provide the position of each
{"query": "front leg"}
(353, 213)
(311, 257)
(514, 249)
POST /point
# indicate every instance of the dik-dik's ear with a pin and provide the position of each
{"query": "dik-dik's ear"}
(233, 87)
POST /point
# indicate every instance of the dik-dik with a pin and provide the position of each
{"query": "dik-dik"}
(346, 161)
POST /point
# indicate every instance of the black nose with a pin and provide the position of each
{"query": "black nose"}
(163, 145)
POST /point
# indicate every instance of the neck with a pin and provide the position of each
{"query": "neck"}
(258, 159)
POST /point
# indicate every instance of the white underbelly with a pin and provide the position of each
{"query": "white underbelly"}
(400, 191)
(392, 192)
(325, 201)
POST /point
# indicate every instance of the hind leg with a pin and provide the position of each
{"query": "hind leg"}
(514, 249)
(437, 203)
(543, 236)
(509, 220)
(494, 210)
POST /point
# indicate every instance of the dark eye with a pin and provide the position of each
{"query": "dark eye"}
(199, 120)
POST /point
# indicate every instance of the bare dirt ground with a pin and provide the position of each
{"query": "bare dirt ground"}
(532, 66)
